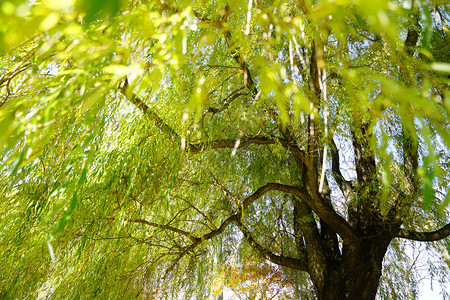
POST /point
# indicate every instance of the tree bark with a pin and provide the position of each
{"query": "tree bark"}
(358, 274)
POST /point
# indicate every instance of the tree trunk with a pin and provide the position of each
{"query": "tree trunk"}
(358, 274)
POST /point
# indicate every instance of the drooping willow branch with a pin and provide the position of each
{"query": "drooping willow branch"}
(195, 148)
(161, 227)
(324, 212)
(200, 240)
(294, 263)
(234, 50)
(233, 218)
(322, 209)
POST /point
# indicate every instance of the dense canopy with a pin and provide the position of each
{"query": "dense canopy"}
(171, 149)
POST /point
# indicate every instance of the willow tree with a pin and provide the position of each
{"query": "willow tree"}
(146, 145)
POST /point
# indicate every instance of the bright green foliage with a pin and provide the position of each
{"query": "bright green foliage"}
(122, 120)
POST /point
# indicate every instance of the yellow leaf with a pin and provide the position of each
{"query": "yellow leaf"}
(49, 22)
(119, 70)
(440, 67)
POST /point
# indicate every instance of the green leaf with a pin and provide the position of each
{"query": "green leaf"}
(96, 9)
(118, 70)
(6, 125)
(428, 30)
(66, 215)
(427, 171)
(82, 176)
(428, 191)
(18, 161)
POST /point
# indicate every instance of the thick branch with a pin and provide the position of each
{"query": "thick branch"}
(364, 158)
(305, 219)
(410, 155)
(410, 144)
(298, 232)
(317, 260)
(344, 185)
(199, 147)
(431, 236)
(328, 235)
(270, 187)
(294, 263)
(412, 36)
(329, 216)
(410, 141)
(219, 230)
(147, 111)
(315, 71)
